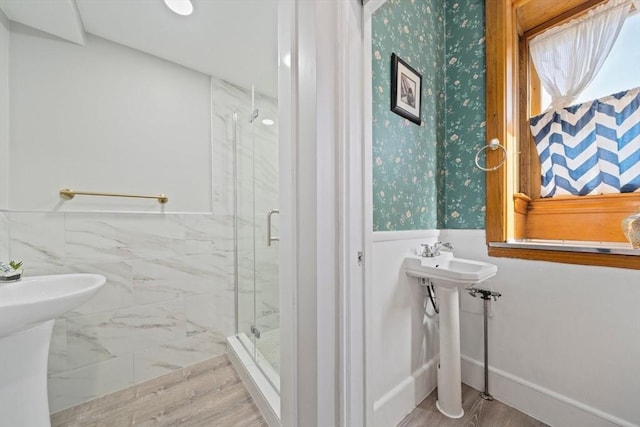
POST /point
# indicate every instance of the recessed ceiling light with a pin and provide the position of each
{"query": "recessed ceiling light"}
(181, 7)
(267, 122)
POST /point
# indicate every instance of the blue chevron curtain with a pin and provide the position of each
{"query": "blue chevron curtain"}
(590, 148)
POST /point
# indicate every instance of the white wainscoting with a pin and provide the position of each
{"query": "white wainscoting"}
(563, 339)
(562, 344)
(404, 343)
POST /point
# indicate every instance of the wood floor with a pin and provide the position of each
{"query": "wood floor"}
(211, 394)
(477, 413)
(207, 394)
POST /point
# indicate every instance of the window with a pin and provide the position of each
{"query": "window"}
(620, 71)
(515, 210)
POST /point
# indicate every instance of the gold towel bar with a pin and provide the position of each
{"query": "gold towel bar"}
(69, 194)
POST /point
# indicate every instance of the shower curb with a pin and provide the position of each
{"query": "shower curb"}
(265, 396)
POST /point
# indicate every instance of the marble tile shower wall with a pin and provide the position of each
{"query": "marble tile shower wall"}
(168, 301)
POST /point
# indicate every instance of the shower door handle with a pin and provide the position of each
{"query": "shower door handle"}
(269, 237)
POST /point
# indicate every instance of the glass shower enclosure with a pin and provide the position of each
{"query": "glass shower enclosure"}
(256, 228)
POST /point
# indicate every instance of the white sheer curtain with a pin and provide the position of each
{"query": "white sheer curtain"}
(568, 57)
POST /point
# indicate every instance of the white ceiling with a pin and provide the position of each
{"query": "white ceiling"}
(59, 18)
(235, 40)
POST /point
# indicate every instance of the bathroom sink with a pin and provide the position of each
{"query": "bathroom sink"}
(36, 299)
(449, 274)
(28, 309)
(448, 271)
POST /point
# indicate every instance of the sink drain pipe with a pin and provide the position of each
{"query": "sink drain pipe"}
(486, 295)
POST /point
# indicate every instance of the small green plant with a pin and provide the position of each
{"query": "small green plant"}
(15, 265)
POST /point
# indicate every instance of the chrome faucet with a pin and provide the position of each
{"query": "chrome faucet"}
(430, 251)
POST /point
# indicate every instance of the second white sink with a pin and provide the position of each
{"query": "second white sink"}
(27, 312)
(449, 274)
(36, 299)
(447, 271)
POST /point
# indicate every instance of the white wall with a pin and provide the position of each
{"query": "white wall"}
(404, 341)
(4, 111)
(564, 339)
(4, 133)
(106, 117)
(70, 128)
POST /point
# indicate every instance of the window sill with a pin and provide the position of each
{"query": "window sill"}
(595, 218)
(571, 246)
(582, 253)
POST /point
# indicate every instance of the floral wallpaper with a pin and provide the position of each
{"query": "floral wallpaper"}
(424, 176)
(404, 154)
(461, 186)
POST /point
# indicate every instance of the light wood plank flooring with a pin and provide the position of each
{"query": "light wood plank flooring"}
(207, 394)
(477, 413)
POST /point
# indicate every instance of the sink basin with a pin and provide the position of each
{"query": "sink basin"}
(27, 312)
(447, 271)
(34, 300)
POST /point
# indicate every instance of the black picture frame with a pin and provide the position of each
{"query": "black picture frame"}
(406, 90)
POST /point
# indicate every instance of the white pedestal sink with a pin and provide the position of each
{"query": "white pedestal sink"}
(449, 274)
(27, 312)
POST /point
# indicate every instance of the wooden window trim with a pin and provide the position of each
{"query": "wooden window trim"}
(593, 218)
(511, 214)
(604, 260)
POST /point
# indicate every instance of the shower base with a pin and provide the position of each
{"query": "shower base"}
(260, 378)
(269, 347)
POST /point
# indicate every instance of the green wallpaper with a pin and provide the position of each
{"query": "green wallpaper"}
(424, 176)
(462, 185)
(404, 154)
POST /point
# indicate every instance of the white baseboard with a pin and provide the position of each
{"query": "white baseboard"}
(391, 408)
(541, 403)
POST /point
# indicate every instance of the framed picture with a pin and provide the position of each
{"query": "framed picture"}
(406, 90)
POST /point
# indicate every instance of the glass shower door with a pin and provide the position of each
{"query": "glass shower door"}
(245, 228)
(267, 236)
(257, 218)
